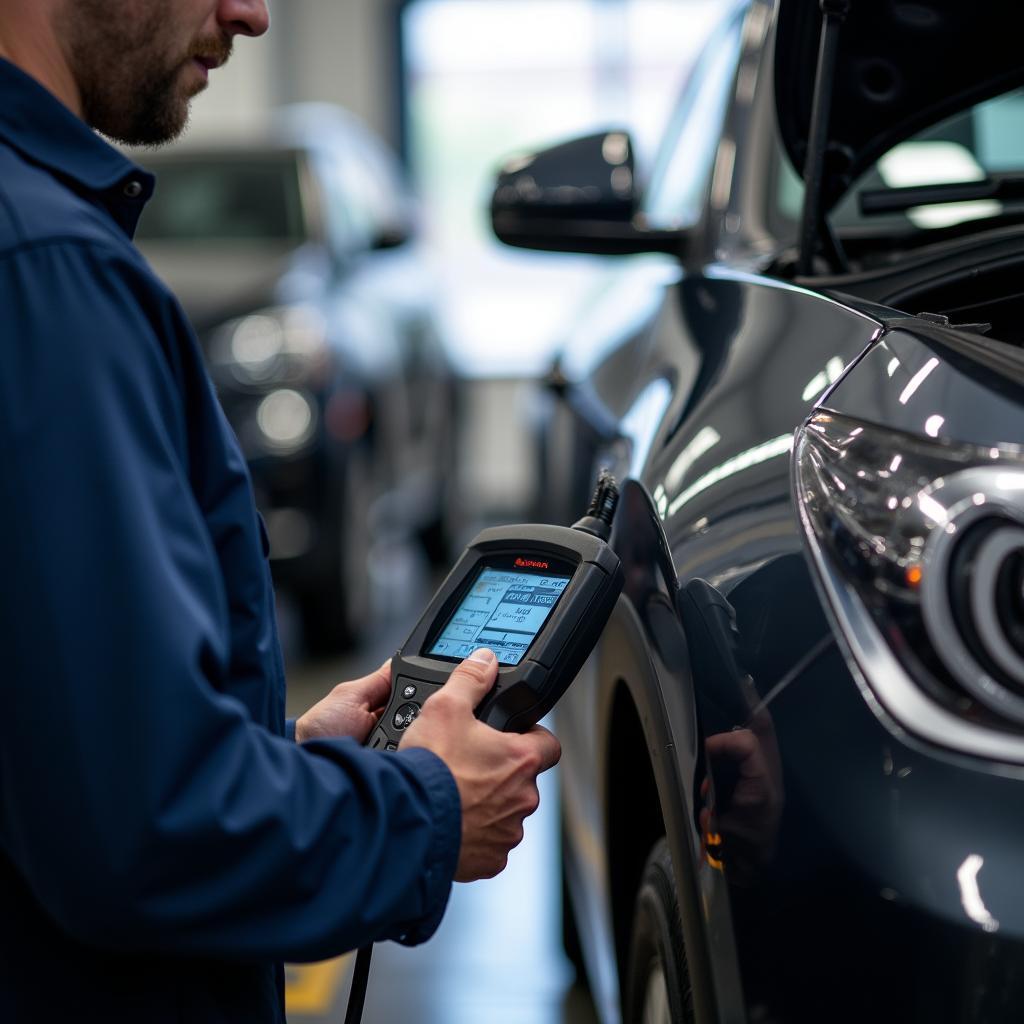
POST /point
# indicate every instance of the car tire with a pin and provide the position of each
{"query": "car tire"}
(336, 612)
(658, 981)
(442, 531)
(571, 943)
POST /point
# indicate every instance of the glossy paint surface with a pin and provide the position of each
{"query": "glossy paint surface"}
(919, 380)
(835, 866)
(833, 862)
(715, 500)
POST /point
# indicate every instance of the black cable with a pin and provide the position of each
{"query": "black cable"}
(357, 995)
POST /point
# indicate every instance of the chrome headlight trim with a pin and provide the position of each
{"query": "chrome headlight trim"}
(888, 686)
(971, 497)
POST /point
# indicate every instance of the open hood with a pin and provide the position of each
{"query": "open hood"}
(900, 67)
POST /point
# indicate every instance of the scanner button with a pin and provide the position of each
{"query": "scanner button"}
(409, 692)
(405, 716)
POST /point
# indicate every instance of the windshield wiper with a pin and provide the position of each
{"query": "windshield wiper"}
(897, 200)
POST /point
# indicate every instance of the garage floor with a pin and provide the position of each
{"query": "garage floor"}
(497, 956)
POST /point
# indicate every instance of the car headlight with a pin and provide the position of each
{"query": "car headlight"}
(286, 419)
(275, 346)
(921, 547)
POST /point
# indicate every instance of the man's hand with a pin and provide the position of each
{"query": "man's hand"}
(350, 709)
(496, 772)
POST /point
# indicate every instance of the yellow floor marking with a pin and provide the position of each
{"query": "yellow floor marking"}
(312, 988)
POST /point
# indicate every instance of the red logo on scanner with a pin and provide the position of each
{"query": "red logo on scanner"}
(526, 563)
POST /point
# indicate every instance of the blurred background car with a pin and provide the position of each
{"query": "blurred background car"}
(295, 251)
(791, 770)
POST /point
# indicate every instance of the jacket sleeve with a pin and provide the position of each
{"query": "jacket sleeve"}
(142, 805)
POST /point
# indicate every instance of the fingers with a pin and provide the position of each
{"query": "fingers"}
(741, 747)
(372, 690)
(737, 745)
(546, 746)
(495, 772)
(472, 680)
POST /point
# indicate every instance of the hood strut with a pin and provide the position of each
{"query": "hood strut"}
(814, 228)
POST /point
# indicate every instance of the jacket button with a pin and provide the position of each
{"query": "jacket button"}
(133, 189)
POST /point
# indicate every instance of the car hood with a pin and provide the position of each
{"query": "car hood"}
(901, 67)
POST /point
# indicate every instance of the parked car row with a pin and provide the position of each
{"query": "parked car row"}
(793, 768)
(296, 255)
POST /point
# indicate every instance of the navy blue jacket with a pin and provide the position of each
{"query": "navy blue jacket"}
(163, 845)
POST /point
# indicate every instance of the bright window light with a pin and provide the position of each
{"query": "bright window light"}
(488, 78)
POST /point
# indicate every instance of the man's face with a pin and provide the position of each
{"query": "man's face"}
(138, 63)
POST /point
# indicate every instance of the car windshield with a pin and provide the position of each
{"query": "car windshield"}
(682, 171)
(232, 198)
(983, 143)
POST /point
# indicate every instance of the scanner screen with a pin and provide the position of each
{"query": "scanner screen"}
(503, 611)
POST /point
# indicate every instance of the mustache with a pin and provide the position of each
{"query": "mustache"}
(214, 48)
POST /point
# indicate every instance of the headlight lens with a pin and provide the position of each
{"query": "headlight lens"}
(286, 420)
(276, 346)
(930, 538)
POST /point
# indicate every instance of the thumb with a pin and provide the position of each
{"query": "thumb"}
(472, 680)
(374, 689)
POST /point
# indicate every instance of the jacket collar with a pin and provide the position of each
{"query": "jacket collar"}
(35, 123)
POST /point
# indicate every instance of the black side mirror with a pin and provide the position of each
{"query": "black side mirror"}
(580, 196)
(392, 237)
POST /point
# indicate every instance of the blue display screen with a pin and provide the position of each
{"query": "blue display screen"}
(503, 611)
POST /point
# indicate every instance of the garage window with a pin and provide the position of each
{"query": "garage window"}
(485, 78)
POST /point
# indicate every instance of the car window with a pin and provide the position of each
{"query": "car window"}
(379, 186)
(682, 172)
(985, 140)
(365, 202)
(345, 236)
(244, 198)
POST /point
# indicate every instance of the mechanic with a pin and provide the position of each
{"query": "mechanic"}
(164, 840)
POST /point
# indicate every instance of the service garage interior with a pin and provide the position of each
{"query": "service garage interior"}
(454, 263)
(453, 87)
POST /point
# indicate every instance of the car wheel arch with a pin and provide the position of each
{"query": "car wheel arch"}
(644, 792)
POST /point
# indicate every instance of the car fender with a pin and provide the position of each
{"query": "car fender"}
(644, 658)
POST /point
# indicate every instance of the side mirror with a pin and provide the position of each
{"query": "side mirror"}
(580, 196)
(392, 237)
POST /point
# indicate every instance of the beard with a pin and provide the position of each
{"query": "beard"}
(134, 74)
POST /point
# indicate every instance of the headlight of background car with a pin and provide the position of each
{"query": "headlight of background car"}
(286, 345)
(930, 538)
(286, 420)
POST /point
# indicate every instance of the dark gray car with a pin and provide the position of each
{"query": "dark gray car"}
(794, 768)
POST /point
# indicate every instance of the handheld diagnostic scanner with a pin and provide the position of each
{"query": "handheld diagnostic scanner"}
(538, 596)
